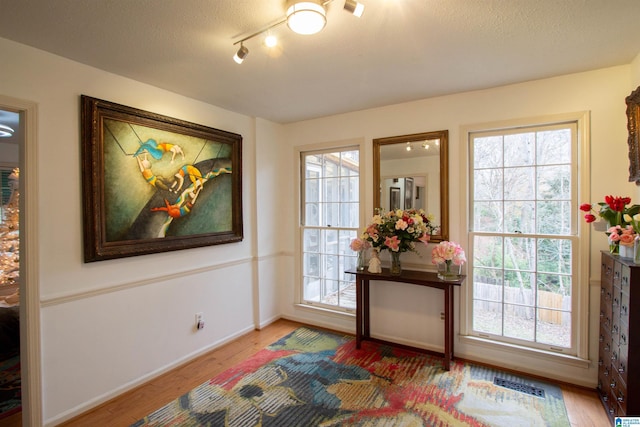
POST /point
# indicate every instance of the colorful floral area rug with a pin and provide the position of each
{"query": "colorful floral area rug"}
(317, 378)
(10, 388)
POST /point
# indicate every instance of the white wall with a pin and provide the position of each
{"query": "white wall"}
(411, 314)
(107, 326)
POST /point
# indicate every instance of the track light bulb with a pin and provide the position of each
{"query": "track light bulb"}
(241, 54)
(270, 40)
(354, 7)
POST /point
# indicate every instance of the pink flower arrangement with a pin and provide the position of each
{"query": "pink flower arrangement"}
(624, 236)
(398, 230)
(448, 252)
(358, 244)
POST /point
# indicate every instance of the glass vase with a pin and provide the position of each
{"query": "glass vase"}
(449, 271)
(614, 247)
(396, 267)
(636, 251)
(362, 260)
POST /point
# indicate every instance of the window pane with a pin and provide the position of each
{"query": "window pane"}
(554, 256)
(520, 217)
(487, 251)
(519, 322)
(486, 286)
(519, 287)
(487, 152)
(519, 149)
(519, 183)
(312, 214)
(520, 253)
(554, 217)
(311, 289)
(331, 165)
(312, 264)
(487, 317)
(488, 184)
(332, 214)
(554, 182)
(348, 294)
(554, 327)
(554, 147)
(310, 239)
(487, 216)
(313, 165)
(312, 190)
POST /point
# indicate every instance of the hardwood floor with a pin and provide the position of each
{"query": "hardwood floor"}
(583, 406)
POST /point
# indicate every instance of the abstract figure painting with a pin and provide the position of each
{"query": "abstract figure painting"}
(152, 183)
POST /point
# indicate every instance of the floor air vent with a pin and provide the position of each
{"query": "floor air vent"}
(522, 388)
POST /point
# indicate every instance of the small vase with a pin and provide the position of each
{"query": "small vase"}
(636, 251)
(362, 260)
(449, 271)
(614, 247)
(626, 251)
(396, 267)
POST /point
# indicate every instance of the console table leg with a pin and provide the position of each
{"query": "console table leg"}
(359, 304)
(365, 309)
(448, 326)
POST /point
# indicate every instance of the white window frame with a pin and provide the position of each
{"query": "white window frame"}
(580, 291)
(353, 144)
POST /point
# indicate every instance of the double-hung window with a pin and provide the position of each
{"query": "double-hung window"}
(330, 218)
(523, 235)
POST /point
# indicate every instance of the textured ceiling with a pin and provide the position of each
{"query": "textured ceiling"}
(400, 50)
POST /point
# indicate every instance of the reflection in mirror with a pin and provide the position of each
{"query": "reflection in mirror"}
(410, 172)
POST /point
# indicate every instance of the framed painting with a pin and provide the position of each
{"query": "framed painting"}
(152, 183)
(408, 193)
(633, 121)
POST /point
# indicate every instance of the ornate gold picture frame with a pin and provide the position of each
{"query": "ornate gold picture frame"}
(153, 183)
(633, 120)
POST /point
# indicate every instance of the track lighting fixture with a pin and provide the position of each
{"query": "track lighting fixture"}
(302, 17)
(306, 17)
(354, 7)
(241, 54)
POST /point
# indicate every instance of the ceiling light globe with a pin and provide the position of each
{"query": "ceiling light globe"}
(306, 17)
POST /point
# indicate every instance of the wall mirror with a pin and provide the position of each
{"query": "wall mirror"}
(411, 172)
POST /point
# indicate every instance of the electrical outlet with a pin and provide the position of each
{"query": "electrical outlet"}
(199, 321)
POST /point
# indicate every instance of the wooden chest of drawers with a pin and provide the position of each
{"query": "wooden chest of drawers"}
(619, 357)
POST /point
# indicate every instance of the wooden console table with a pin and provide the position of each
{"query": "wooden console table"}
(420, 278)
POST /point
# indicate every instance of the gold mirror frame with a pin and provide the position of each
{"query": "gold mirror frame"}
(633, 120)
(417, 139)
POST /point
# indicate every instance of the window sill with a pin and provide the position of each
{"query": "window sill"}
(326, 311)
(526, 351)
